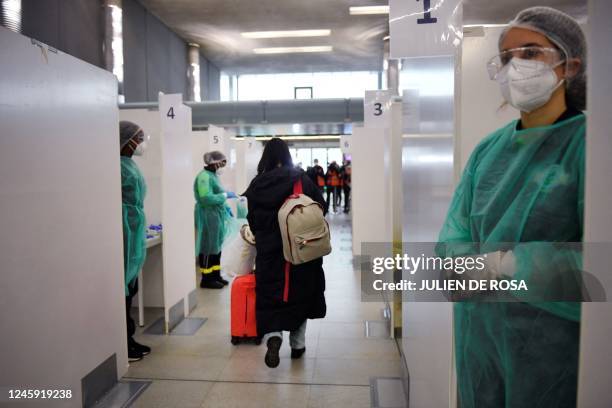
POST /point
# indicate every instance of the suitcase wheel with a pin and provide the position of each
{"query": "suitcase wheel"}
(257, 340)
(235, 340)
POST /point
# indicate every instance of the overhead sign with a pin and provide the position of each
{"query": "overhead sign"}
(376, 106)
(425, 28)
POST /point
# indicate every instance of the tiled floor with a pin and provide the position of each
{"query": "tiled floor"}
(205, 370)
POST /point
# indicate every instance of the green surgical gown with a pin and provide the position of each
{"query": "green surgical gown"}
(211, 215)
(524, 187)
(133, 191)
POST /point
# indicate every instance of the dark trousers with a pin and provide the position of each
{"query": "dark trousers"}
(131, 325)
(332, 190)
(338, 196)
(209, 263)
(347, 198)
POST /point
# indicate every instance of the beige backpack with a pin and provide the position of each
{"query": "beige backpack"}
(303, 227)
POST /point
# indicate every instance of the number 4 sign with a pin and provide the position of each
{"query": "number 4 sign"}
(376, 109)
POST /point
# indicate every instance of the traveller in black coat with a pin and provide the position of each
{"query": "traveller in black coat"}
(266, 194)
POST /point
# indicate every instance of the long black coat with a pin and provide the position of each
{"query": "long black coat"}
(306, 300)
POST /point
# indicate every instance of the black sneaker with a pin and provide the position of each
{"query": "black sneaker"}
(210, 283)
(134, 354)
(145, 350)
(297, 353)
(272, 359)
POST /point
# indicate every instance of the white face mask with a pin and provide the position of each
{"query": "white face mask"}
(220, 171)
(140, 149)
(528, 84)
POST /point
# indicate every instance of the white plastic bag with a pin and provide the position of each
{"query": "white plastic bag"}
(238, 255)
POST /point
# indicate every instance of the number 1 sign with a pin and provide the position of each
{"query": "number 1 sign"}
(425, 28)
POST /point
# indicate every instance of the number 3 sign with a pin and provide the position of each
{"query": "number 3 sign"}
(376, 109)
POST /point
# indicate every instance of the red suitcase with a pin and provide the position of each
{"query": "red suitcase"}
(244, 325)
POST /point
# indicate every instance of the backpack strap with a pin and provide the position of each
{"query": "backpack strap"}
(297, 187)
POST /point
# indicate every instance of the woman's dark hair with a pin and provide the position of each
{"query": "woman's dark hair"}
(275, 152)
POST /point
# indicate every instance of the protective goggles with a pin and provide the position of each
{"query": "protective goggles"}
(140, 137)
(550, 56)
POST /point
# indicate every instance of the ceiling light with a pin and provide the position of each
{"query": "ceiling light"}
(291, 50)
(287, 34)
(365, 10)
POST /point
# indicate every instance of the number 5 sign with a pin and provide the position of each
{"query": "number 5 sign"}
(425, 28)
(216, 139)
(376, 109)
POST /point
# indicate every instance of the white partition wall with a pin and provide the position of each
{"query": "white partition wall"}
(370, 192)
(177, 208)
(62, 300)
(595, 375)
(248, 154)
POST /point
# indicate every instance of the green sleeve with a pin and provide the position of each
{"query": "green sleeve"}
(209, 190)
(456, 236)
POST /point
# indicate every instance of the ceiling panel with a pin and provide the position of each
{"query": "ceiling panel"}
(357, 40)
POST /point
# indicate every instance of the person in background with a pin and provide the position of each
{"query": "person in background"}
(211, 217)
(299, 166)
(339, 188)
(524, 184)
(345, 176)
(318, 176)
(332, 178)
(304, 283)
(133, 191)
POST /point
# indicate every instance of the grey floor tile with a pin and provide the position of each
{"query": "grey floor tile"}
(180, 367)
(353, 371)
(339, 330)
(240, 395)
(334, 396)
(173, 394)
(200, 346)
(254, 369)
(250, 350)
(377, 349)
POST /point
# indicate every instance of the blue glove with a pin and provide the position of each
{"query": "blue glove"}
(231, 194)
(229, 211)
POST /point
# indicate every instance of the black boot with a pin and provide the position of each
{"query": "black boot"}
(210, 282)
(220, 279)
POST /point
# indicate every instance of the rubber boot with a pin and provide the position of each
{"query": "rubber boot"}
(219, 278)
(210, 282)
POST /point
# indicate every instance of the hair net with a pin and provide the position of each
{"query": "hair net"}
(214, 157)
(127, 130)
(565, 32)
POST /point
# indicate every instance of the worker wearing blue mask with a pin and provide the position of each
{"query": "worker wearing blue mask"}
(524, 184)
(133, 189)
(212, 216)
